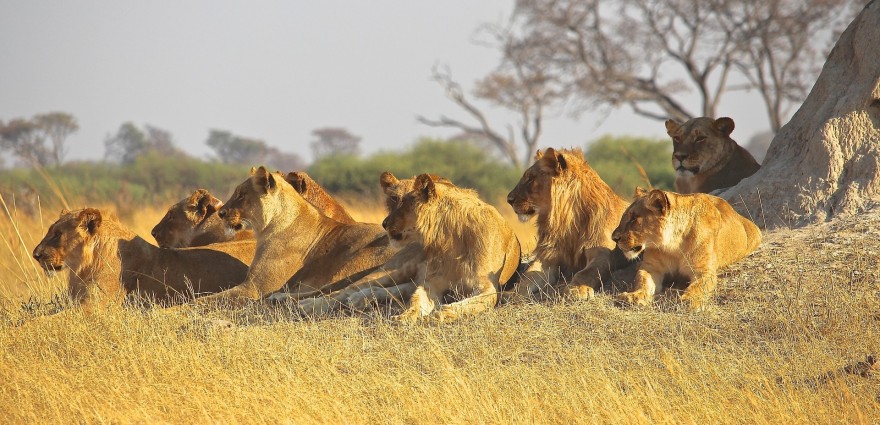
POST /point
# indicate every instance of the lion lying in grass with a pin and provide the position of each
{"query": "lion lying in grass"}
(576, 213)
(682, 237)
(297, 245)
(108, 261)
(469, 249)
(704, 156)
(393, 280)
(193, 222)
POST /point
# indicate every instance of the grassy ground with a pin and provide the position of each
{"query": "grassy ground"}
(806, 303)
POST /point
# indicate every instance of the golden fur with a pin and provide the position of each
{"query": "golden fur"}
(704, 156)
(393, 280)
(683, 237)
(469, 249)
(108, 261)
(193, 222)
(296, 244)
(576, 213)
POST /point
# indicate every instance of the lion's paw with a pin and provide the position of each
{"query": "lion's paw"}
(580, 292)
(632, 299)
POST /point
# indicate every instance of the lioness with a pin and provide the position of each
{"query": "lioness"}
(393, 280)
(469, 249)
(682, 236)
(296, 244)
(192, 222)
(576, 213)
(100, 252)
(704, 156)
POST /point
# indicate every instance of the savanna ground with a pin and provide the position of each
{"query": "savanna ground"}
(806, 303)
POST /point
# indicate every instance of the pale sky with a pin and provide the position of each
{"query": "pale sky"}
(273, 70)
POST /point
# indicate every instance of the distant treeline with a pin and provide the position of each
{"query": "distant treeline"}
(153, 179)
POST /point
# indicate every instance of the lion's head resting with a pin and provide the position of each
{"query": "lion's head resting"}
(401, 222)
(642, 223)
(700, 144)
(69, 240)
(177, 228)
(249, 198)
(532, 194)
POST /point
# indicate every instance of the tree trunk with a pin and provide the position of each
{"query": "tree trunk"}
(826, 161)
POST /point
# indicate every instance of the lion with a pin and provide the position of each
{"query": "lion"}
(682, 237)
(704, 156)
(393, 280)
(192, 222)
(469, 249)
(297, 246)
(107, 261)
(576, 213)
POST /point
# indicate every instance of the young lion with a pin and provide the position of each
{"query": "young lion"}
(469, 249)
(576, 213)
(704, 156)
(100, 252)
(683, 236)
(296, 244)
(192, 222)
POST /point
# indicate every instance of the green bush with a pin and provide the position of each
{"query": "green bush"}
(463, 163)
(617, 160)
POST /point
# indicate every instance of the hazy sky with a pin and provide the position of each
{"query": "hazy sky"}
(273, 70)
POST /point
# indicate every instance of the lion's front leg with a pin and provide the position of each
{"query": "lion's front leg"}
(538, 282)
(586, 282)
(421, 304)
(483, 298)
(697, 294)
(644, 289)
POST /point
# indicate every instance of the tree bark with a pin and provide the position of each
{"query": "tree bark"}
(826, 161)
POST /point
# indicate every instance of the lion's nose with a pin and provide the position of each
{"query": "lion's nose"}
(154, 233)
(615, 237)
(681, 156)
(385, 223)
(221, 213)
(38, 255)
(510, 198)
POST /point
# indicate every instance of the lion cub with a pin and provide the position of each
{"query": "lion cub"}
(704, 156)
(469, 249)
(682, 236)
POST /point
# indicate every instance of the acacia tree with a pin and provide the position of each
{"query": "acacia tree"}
(232, 149)
(130, 142)
(27, 138)
(334, 141)
(649, 56)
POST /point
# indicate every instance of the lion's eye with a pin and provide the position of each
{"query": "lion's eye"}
(394, 199)
(700, 139)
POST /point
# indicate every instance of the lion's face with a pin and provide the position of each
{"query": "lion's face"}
(641, 223)
(177, 228)
(699, 144)
(395, 189)
(66, 240)
(532, 195)
(401, 222)
(246, 203)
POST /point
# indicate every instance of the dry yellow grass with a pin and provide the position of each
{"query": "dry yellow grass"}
(806, 303)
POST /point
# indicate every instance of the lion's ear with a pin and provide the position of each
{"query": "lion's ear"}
(265, 180)
(386, 180)
(205, 203)
(724, 125)
(253, 170)
(658, 201)
(640, 192)
(539, 155)
(554, 161)
(64, 211)
(425, 185)
(298, 181)
(90, 219)
(672, 128)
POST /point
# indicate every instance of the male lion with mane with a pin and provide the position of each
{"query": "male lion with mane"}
(108, 261)
(704, 156)
(193, 222)
(576, 213)
(468, 248)
(297, 245)
(682, 236)
(393, 280)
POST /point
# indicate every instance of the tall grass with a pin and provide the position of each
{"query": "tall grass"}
(807, 303)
